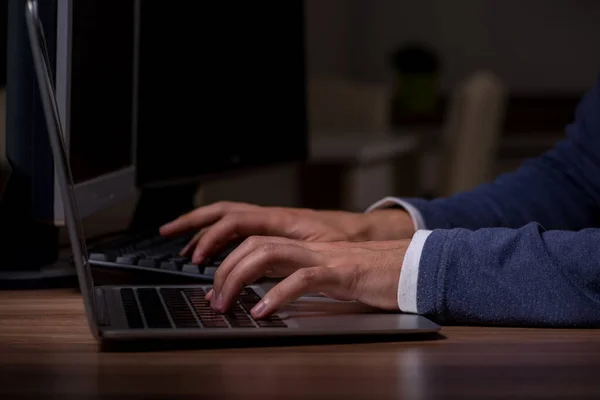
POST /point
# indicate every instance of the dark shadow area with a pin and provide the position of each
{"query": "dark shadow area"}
(233, 343)
(59, 282)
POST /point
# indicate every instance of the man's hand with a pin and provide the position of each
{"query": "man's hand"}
(368, 272)
(222, 222)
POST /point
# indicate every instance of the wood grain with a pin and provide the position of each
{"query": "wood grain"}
(46, 351)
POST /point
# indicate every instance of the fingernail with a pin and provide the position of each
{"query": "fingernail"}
(259, 309)
(197, 257)
(218, 302)
(209, 295)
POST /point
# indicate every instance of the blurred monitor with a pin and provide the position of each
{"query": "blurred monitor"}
(3, 41)
(91, 47)
(156, 94)
(221, 88)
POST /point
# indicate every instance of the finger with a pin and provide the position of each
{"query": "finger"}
(250, 244)
(242, 251)
(301, 282)
(241, 224)
(201, 217)
(209, 295)
(192, 243)
(252, 267)
(245, 248)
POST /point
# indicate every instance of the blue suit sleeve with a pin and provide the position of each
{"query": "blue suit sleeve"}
(525, 248)
(559, 190)
(511, 277)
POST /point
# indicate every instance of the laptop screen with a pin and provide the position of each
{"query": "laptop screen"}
(63, 171)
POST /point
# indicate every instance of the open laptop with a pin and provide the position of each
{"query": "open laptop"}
(119, 313)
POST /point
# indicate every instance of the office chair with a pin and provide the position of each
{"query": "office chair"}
(472, 130)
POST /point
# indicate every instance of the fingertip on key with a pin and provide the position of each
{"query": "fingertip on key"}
(217, 303)
(198, 257)
(259, 310)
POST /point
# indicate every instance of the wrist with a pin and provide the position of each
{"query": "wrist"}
(388, 224)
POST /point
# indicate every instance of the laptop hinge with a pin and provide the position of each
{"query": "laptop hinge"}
(101, 308)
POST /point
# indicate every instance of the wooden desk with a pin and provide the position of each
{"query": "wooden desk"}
(46, 351)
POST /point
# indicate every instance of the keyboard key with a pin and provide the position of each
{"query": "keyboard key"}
(170, 266)
(238, 318)
(108, 256)
(128, 259)
(132, 312)
(195, 292)
(148, 262)
(153, 309)
(248, 299)
(192, 269)
(178, 308)
(207, 316)
(156, 252)
(180, 260)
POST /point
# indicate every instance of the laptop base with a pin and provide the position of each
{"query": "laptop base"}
(129, 321)
(162, 345)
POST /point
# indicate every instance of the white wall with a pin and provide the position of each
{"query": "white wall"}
(534, 45)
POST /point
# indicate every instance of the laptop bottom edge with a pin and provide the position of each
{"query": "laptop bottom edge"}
(181, 314)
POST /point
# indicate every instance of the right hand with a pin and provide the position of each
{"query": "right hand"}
(219, 223)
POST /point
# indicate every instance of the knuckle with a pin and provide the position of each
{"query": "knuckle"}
(223, 205)
(308, 276)
(225, 226)
(230, 219)
(253, 241)
(268, 249)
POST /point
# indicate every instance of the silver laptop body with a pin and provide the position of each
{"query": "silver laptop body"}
(180, 311)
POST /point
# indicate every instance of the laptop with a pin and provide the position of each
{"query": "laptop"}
(173, 312)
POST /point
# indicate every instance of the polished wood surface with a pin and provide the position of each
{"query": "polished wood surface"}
(46, 351)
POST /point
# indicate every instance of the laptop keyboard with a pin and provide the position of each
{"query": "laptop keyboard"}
(154, 253)
(170, 308)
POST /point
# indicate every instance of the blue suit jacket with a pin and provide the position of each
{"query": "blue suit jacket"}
(524, 249)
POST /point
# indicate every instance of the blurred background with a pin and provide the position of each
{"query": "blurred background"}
(480, 85)
(423, 98)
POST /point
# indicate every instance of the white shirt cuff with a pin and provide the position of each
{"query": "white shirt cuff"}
(409, 275)
(415, 215)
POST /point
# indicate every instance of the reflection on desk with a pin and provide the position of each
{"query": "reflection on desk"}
(47, 351)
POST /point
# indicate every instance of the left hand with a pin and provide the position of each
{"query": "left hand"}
(368, 272)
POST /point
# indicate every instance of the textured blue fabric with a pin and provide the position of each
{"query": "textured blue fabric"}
(524, 249)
